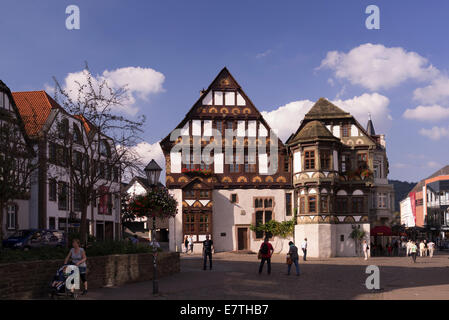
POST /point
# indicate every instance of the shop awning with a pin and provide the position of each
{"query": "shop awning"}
(381, 231)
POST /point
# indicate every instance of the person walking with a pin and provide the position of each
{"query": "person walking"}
(426, 249)
(186, 244)
(78, 257)
(365, 249)
(265, 252)
(422, 249)
(293, 258)
(408, 247)
(413, 251)
(431, 246)
(191, 243)
(208, 247)
(304, 249)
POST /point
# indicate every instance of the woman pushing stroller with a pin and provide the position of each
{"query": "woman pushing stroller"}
(78, 257)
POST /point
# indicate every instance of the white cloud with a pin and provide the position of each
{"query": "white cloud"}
(436, 133)
(374, 66)
(427, 113)
(286, 118)
(361, 106)
(433, 164)
(263, 54)
(140, 82)
(436, 92)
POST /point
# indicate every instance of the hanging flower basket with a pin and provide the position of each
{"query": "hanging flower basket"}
(157, 203)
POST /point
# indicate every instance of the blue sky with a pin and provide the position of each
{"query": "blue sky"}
(273, 48)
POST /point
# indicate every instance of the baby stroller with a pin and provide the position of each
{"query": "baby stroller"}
(65, 283)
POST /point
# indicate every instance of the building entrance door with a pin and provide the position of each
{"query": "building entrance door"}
(242, 234)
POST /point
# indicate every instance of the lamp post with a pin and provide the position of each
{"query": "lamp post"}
(153, 172)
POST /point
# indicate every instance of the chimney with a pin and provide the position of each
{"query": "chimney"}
(202, 91)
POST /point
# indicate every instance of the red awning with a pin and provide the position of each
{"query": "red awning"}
(381, 231)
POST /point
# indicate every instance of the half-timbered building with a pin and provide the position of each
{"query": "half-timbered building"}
(339, 172)
(247, 180)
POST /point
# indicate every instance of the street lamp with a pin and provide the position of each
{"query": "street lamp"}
(153, 172)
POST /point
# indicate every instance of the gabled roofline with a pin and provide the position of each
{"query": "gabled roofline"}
(4, 88)
(205, 92)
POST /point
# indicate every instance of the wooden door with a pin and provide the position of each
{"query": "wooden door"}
(242, 238)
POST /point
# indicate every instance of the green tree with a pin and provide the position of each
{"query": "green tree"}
(357, 235)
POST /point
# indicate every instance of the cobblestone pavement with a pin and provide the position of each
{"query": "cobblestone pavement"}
(235, 276)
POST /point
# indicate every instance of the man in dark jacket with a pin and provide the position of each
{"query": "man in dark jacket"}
(293, 255)
(208, 246)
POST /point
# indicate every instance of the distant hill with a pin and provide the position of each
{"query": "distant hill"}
(401, 189)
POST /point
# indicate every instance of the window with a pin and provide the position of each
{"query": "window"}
(286, 164)
(196, 224)
(302, 205)
(76, 201)
(341, 204)
(250, 162)
(62, 195)
(235, 167)
(234, 198)
(346, 130)
(11, 216)
(362, 160)
(288, 204)
(325, 157)
(204, 166)
(77, 160)
(342, 237)
(345, 163)
(203, 227)
(77, 137)
(230, 125)
(357, 205)
(309, 159)
(63, 129)
(189, 224)
(52, 223)
(382, 200)
(204, 194)
(264, 213)
(324, 204)
(189, 194)
(52, 152)
(52, 190)
(220, 127)
(312, 204)
(61, 156)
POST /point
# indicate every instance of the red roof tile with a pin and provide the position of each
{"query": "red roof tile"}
(34, 108)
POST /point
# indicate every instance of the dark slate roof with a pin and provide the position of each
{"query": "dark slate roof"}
(152, 166)
(442, 172)
(313, 130)
(324, 109)
(370, 128)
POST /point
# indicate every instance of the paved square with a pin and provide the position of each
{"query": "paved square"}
(235, 276)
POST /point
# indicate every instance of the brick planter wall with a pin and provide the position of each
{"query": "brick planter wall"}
(28, 280)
